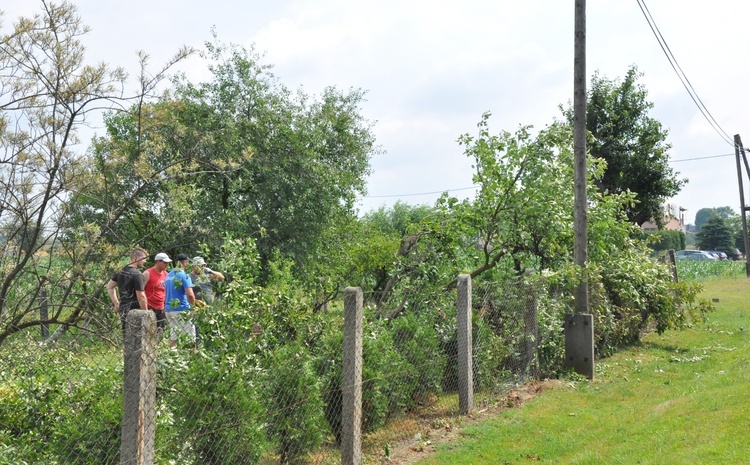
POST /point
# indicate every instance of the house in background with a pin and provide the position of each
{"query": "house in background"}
(674, 219)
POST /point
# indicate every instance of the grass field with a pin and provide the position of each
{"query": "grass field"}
(679, 398)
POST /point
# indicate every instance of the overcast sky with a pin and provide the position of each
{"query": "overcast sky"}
(431, 68)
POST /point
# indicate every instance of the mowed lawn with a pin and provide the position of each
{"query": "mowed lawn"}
(679, 398)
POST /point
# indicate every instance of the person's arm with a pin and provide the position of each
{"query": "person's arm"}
(146, 276)
(142, 301)
(212, 274)
(112, 291)
(191, 298)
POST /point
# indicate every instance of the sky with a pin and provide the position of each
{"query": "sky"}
(432, 68)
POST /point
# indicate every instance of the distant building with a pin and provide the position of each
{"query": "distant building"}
(674, 219)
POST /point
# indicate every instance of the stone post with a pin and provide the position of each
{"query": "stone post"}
(44, 309)
(139, 399)
(351, 414)
(579, 343)
(465, 372)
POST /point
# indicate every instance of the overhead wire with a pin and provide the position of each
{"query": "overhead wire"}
(707, 157)
(681, 74)
(683, 79)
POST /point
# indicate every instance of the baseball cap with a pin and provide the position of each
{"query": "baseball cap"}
(181, 257)
(162, 257)
(198, 261)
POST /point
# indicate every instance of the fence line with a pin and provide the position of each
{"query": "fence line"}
(354, 398)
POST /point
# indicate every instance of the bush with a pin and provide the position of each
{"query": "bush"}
(387, 378)
(417, 341)
(293, 403)
(629, 292)
(57, 409)
(665, 240)
(213, 410)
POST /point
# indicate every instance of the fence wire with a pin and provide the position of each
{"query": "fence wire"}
(262, 392)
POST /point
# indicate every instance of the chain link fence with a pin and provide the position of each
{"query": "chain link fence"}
(264, 391)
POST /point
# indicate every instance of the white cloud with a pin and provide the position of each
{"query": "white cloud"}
(431, 68)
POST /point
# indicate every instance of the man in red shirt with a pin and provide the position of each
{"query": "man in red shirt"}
(155, 291)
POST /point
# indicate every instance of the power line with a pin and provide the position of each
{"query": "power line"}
(681, 74)
(420, 193)
(702, 158)
(707, 157)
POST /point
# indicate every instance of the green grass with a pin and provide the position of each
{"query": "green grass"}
(678, 398)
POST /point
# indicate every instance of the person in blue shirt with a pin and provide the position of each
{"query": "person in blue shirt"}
(179, 299)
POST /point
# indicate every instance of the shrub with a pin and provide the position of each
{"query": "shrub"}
(293, 403)
(387, 378)
(665, 240)
(213, 408)
(57, 408)
(417, 341)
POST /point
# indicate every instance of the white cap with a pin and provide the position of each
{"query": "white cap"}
(162, 257)
(198, 261)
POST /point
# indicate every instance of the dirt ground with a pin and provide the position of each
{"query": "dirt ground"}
(444, 432)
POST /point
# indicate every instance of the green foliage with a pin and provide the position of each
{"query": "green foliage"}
(632, 143)
(214, 410)
(665, 240)
(696, 270)
(417, 340)
(716, 235)
(702, 215)
(388, 380)
(48, 92)
(293, 403)
(523, 209)
(309, 154)
(630, 291)
(53, 417)
(399, 219)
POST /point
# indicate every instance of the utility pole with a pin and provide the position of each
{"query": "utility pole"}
(739, 151)
(579, 327)
(580, 217)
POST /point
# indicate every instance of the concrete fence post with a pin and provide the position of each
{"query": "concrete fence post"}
(465, 372)
(44, 309)
(351, 414)
(579, 343)
(139, 396)
(531, 330)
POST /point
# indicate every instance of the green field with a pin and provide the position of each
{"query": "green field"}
(678, 398)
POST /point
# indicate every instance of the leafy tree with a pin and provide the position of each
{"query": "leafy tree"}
(632, 143)
(704, 214)
(47, 92)
(300, 161)
(716, 235)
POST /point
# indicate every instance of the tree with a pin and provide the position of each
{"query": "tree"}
(702, 215)
(300, 161)
(239, 154)
(632, 143)
(47, 93)
(716, 235)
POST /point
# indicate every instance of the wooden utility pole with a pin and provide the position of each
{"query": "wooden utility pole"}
(739, 151)
(579, 327)
(580, 216)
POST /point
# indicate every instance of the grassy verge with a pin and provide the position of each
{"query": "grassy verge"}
(678, 398)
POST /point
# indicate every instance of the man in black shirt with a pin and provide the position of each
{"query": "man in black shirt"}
(130, 284)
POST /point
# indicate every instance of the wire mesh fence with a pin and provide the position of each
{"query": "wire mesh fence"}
(262, 390)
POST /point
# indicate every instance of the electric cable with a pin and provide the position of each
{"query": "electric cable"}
(681, 74)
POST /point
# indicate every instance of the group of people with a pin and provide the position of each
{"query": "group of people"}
(168, 294)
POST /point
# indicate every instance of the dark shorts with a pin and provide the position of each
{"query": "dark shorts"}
(161, 320)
